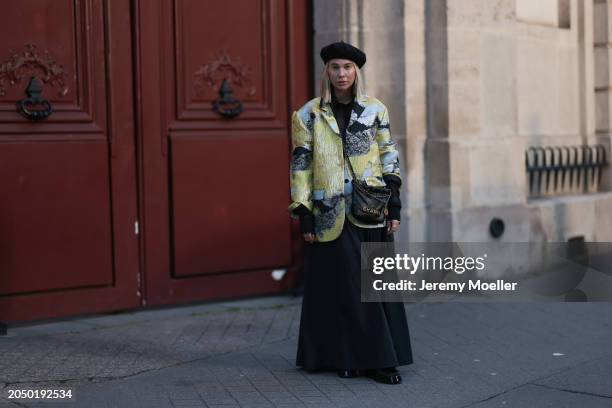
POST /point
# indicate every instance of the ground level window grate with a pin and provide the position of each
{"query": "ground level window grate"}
(558, 170)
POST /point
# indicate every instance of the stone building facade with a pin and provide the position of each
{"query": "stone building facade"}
(471, 85)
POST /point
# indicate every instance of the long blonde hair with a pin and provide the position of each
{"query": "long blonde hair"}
(326, 85)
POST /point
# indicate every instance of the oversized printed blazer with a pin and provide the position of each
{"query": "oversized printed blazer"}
(320, 180)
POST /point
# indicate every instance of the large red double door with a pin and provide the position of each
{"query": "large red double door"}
(160, 173)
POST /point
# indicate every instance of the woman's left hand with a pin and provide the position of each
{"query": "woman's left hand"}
(392, 226)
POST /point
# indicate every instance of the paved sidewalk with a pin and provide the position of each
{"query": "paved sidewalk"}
(241, 354)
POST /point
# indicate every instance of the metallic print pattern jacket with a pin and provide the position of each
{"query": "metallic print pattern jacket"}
(320, 179)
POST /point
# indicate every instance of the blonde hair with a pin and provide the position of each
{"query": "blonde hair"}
(326, 91)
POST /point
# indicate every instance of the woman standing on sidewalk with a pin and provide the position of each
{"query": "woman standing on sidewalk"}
(337, 330)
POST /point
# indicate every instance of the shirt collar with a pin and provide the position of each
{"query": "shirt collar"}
(335, 101)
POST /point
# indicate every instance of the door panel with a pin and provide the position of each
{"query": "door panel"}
(226, 215)
(216, 43)
(209, 37)
(55, 212)
(67, 213)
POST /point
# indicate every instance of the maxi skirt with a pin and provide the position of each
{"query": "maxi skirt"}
(337, 330)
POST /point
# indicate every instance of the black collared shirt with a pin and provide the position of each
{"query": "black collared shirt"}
(342, 113)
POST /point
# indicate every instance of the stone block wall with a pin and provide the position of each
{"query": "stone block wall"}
(470, 84)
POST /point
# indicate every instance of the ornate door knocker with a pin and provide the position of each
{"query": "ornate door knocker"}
(223, 73)
(34, 107)
(225, 104)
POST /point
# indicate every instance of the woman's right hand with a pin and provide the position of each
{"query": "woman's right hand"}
(306, 223)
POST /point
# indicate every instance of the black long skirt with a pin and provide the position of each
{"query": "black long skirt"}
(337, 330)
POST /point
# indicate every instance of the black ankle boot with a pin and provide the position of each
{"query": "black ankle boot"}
(348, 373)
(387, 375)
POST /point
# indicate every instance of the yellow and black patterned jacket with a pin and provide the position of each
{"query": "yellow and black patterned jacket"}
(318, 171)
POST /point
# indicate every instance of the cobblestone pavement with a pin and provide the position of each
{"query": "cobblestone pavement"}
(242, 354)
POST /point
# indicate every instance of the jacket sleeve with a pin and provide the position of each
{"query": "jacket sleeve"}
(301, 165)
(395, 203)
(389, 156)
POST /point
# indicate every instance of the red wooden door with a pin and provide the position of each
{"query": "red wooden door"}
(215, 189)
(68, 183)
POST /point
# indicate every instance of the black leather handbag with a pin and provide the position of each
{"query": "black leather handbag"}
(369, 203)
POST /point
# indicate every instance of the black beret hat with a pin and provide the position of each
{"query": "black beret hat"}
(345, 51)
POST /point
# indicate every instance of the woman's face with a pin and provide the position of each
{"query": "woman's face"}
(341, 73)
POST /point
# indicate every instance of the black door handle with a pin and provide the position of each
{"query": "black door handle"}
(225, 105)
(34, 107)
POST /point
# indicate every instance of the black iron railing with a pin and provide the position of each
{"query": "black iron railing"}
(564, 169)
